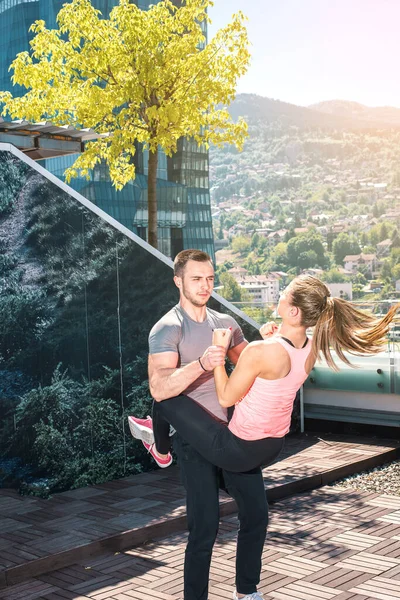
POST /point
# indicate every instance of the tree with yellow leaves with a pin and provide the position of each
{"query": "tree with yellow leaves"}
(138, 76)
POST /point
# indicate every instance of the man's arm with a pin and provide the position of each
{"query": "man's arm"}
(166, 380)
(234, 353)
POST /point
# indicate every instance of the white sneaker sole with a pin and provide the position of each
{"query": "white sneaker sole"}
(161, 465)
(140, 432)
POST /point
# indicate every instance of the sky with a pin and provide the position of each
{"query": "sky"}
(307, 51)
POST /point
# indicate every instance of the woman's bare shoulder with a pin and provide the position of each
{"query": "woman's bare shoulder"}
(268, 347)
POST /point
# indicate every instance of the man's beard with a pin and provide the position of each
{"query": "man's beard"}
(195, 301)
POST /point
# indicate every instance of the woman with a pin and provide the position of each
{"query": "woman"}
(264, 383)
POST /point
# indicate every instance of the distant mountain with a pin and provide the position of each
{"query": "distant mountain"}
(326, 115)
(354, 110)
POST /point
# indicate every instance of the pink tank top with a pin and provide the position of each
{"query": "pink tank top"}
(266, 409)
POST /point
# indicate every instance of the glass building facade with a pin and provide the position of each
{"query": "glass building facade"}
(184, 213)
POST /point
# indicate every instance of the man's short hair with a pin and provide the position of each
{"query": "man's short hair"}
(184, 256)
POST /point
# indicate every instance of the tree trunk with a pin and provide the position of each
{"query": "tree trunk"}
(152, 198)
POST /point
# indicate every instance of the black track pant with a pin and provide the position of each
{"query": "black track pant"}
(202, 481)
(210, 437)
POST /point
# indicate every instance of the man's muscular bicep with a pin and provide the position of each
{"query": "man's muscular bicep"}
(157, 364)
(163, 360)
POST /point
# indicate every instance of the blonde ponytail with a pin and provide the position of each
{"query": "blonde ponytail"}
(338, 326)
(341, 327)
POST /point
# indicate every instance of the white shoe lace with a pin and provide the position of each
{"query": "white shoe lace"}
(253, 596)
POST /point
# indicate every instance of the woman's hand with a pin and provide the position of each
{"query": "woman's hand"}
(268, 330)
(222, 338)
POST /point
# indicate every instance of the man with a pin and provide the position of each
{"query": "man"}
(181, 361)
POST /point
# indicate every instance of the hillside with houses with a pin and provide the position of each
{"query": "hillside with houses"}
(315, 190)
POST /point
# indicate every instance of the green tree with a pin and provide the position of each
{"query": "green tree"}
(329, 239)
(357, 290)
(262, 246)
(387, 290)
(297, 220)
(344, 245)
(255, 241)
(12, 177)
(260, 315)
(334, 276)
(358, 279)
(383, 234)
(138, 77)
(396, 272)
(307, 259)
(22, 314)
(306, 250)
(364, 239)
(241, 245)
(395, 256)
(386, 271)
(395, 239)
(374, 236)
(250, 264)
(231, 290)
(289, 235)
(278, 257)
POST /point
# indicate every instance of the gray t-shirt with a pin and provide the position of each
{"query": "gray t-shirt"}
(177, 332)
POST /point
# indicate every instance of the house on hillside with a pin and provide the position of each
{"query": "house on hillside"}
(261, 289)
(367, 225)
(391, 215)
(275, 237)
(263, 232)
(352, 262)
(236, 230)
(279, 275)
(238, 272)
(300, 230)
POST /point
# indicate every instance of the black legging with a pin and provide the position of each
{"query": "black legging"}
(210, 437)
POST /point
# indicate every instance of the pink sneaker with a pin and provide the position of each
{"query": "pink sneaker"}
(142, 429)
(162, 462)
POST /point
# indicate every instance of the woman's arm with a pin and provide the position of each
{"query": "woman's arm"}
(231, 390)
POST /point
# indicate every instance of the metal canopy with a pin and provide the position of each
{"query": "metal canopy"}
(45, 140)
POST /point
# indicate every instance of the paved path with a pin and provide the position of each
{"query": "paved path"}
(39, 536)
(326, 544)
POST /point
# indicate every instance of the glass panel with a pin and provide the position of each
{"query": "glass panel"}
(372, 375)
(394, 355)
(77, 301)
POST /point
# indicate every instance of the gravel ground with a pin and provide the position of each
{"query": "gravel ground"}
(384, 480)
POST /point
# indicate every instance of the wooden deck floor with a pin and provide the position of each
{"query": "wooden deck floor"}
(39, 536)
(322, 545)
